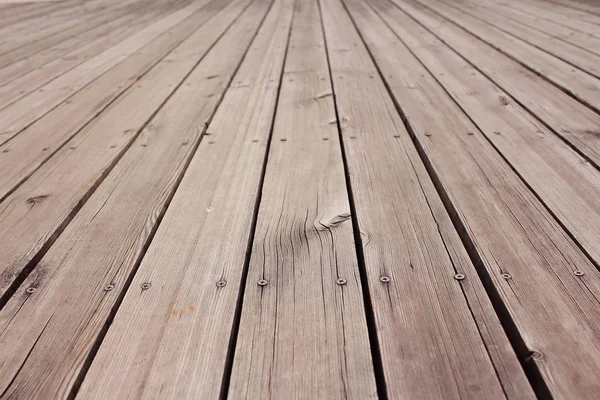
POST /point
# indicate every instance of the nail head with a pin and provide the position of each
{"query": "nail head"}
(384, 279)
(108, 288)
(579, 272)
(341, 281)
(459, 277)
(221, 283)
(262, 282)
(30, 290)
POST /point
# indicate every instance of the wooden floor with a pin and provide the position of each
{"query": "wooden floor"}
(299, 199)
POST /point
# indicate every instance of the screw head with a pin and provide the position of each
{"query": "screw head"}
(459, 277)
(262, 282)
(146, 286)
(385, 279)
(579, 272)
(506, 276)
(221, 283)
(341, 281)
(108, 288)
(30, 290)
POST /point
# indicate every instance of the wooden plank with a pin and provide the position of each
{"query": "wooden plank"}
(439, 337)
(582, 40)
(28, 109)
(567, 184)
(28, 82)
(57, 190)
(584, 21)
(53, 29)
(334, 354)
(21, 156)
(58, 325)
(579, 84)
(186, 318)
(575, 56)
(36, 47)
(304, 333)
(545, 288)
(564, 115)
(21, 67)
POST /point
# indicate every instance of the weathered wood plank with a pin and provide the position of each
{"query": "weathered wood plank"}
(566, 116)
(579, 84)
(431, 345)
(582, 40)
(127, 25)
(31, 216)
(25, 153)
(303, 333)
(575, 56)
(28, 109)
(34, 61)
(546, 287)
(563, 180)
(186, 317)
(47, 335)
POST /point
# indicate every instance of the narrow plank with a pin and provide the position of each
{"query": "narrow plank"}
(575, 56)
(114, 34)
(21, 156)
(554, 10)
(28, 109)
(431, 345)
(304, 333)
(103, 244)
(572, 23)
(545, 287)
(579, 84)
(33, 215)
(54, 29)
(582, 40)
(39, 46)
(21, 67)
(563, 114)
(562, 179)
(53, 23)
(186, 318)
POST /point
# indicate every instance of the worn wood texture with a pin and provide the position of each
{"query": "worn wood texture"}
(186, 317)
(32, 216)
(579, 84)
(84, 274)
(565, 115)
(25, 153)
(302, 332)
(565, 182)
(19, 115)
(430, 342)
(548, 287)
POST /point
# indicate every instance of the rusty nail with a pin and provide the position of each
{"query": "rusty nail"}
(108, 288)
(341, 281)
(470, 133)
(506, 276)
(579, 272)
(384, 279)
(459, 277)
(221, 283)
(30, 290)
(325, 138)
(262, 282)
(255, 141)
(146, 286)
(283, 139)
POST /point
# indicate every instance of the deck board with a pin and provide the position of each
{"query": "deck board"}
(414, 184)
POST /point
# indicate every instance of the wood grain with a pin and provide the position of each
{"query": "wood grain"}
(546, 287)
(81, 278)
(303, 333)
(562, 179)
(33, 215)
(566, 116)
(430, 343)
(186, 318)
